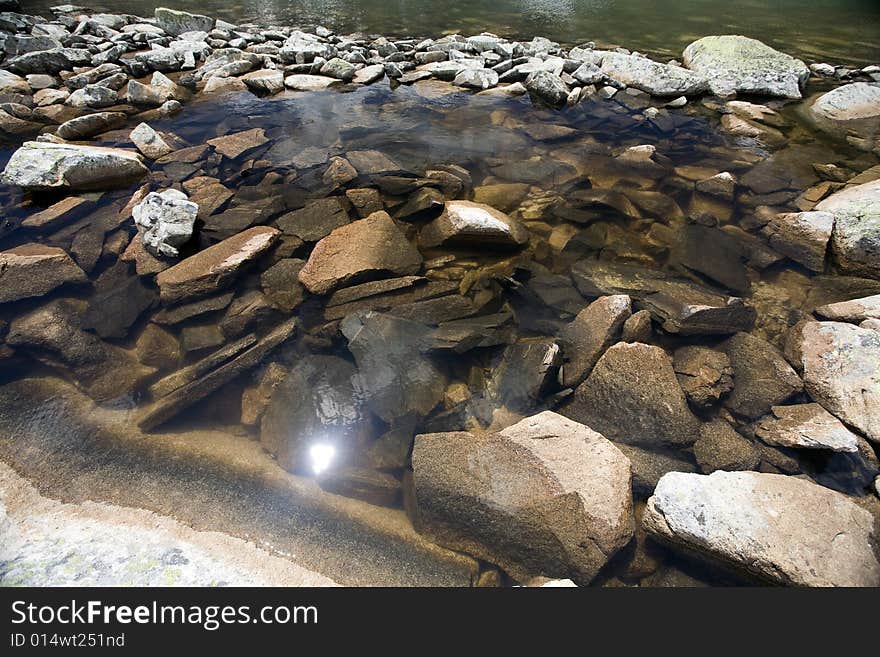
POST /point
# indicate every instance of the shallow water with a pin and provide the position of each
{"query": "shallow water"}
(843, 31)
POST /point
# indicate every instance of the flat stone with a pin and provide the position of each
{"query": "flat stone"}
(365, 249)
(776, 528)
(216, 267)
(737, 64)
(854, 310)
(565, 510)
(469, 223)
(305, 82)
(32, 270)
(369, 74)
(264, 82)
(632, 396)
(56, 214)
(315, 221)
(806, 426)
(234, 145)
(370, 163)
(47, 165)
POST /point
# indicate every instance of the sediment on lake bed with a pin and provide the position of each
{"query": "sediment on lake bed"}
(284, 281)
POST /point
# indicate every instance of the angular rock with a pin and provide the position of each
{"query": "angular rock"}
(705, 375)
(157, 347)
(362, 250)
(664, 80)
(776, 528)
(855, 240)
(806, 426)
(46, 165)
(854, 310)
(738, 64)
(469, 223)
(175, 22)
(841, 366)
(89, 125)
(165, 221)
(802, 236)
(32, 270)
(586, 338)
(316, 220)
(264, 82)
(720, 447)
(339, 69)
(149, 142)
(118, 300)
(369, 74)
(280, 283)
(633, 397)
(565, 509)
(762, 377)
(56, 214)
(522, 376)
(547, 87)
(476, 78)
(255, 398)
(216, 267)
(234, 145)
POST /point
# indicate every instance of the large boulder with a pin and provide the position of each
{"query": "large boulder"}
(705, 375)
(476, 224)
(655, 78)
(397, 380)
(547, 87)
(850, 109)
(32, 270)
(46, 165)
(363, 250)
(546, 496)
(776, 528)
(216, 267)
(841, 365)
(165, 221)
(175, 22)
(316, 411)
(738, 64)
(632, 396)
(855, 240)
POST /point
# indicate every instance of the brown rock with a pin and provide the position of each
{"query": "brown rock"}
(32, 270)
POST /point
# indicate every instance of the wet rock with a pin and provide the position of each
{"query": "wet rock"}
(264, 82)
(722, 185)
(850, 109)
(256, 397)
(216, 267)
(632, 396)
(145, 263)
(318, 404)
(637, 328)
(776, 528)
(762, 377)
(585, 339)
(503, 196)
(339, 172)
(476, 78)
(280, 283)
(715, 254)
(522, 375)
(567, 511)
(47, 165)
(208, 194)
(32, 270)
(462, 335)
(396, 379)
(213, 373)
(365, 249)
(165, 221)
(89, 125)
(58, 213)
(316, 220)
(855, 240)
(802, 236)
(841, 366)
(234, 145)
(705, 375)
(52, 334)
(118, 300)
(854, 310)
(377, 488)
(806, 426)
(249, 311)
(157, 347)
(737, 64)
(175, 22)
(720, 447)
(198, 337)
(149, 142)
(547, 87)
(653, 77)
(371, 163)
(423, 203)
(469, 223)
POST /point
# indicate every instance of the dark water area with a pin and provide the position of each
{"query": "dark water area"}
(840, 31)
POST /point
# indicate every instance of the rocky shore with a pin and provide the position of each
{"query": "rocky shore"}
(635, 340)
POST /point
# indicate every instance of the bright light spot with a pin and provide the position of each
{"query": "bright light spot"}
(321, 455)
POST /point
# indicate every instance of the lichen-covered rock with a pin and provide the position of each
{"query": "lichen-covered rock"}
(738, 64)
(165, 221)
(855, 240)
(850, 109)
(777, 528)
(655, 78)
(47, 165)
(175, 22)
(592, 331)
(546, 496)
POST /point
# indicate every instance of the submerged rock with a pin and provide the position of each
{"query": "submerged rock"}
(118, 300)
(216, 267)
(592, 331)
(175, 22)
(841, 365)
(806, 426)
(32, 270)
(774, 527)
(165, 221)
(737, 64)
(632, 396)
(363, 250)
(469, 223)
(855, 240)
(564, 510)
(47, 165)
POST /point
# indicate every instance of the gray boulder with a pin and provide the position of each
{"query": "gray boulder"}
(165, 221)
(737, 64)
(32, 270)
(806, 426)
(175, 22)
(855, 240)
(657, 79)
(564, 509)
(852, 109)
(776, 528)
